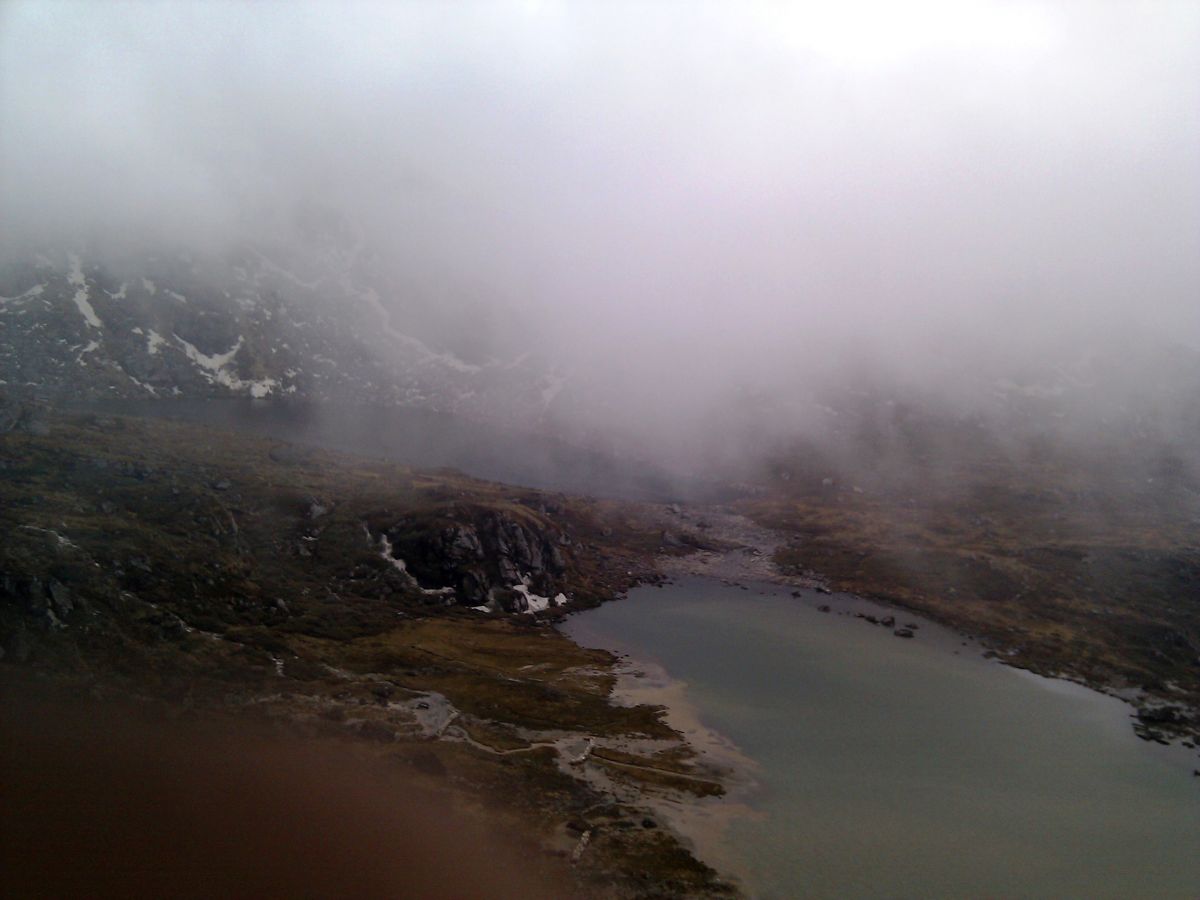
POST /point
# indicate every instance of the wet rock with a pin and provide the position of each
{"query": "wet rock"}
(903, 632)
(1161, 715)
(472, 587)
(60, 597)
(888, 621)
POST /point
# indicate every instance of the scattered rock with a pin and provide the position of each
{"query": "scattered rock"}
(903, 632)
(60, 597)
(824, 607)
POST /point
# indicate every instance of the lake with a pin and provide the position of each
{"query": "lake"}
(891, 767)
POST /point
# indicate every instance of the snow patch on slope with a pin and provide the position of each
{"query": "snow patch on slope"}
(75, 277)
(284, 273)
(213, 368)
(214, 363)
(535, 602)
(371, 297)
(35, 291)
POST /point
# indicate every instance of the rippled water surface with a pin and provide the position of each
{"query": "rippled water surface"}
(913, 768)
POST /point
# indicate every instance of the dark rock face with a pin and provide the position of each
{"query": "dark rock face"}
(1160, 715)
(483, 559)
(50, 600)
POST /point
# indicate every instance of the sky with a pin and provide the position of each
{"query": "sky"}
(695, 197)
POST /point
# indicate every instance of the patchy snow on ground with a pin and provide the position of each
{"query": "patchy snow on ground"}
(142, 385)
(120, 294)
(85, 308)
(81, 298)
(213, 368)
(214, 363)
(149, 287)
(35, 291)
(261, 388)
(154, 340)
(75, 272)
(279, 270)
(535, 602)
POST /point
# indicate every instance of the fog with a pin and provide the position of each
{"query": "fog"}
(679, 204)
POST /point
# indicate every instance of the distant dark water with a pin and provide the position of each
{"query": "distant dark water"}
(424, 438)
(895, 768)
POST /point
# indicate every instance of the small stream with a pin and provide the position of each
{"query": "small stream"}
(893, 767)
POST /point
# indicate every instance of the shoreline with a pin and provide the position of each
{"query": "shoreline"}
(700, 823)
(740, 552)
(643, 679)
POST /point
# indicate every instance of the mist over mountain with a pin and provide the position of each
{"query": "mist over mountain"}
(672, 230)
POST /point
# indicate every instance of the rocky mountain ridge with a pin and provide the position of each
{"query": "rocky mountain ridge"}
(324, 323)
